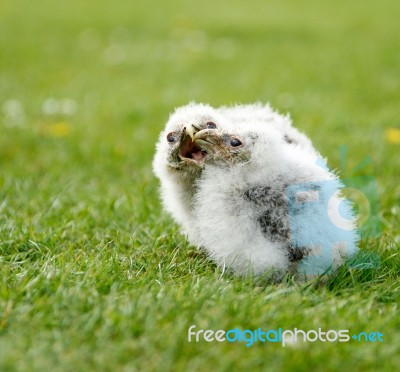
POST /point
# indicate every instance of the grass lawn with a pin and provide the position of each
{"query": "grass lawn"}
(93, 275)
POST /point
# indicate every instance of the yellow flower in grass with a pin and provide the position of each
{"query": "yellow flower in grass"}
(60, 129)
(392, 135)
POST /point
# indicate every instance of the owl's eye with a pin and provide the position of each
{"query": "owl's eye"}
(171, 138)
(235, 142)
(211, 125)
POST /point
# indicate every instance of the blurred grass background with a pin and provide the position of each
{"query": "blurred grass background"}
(92, 274)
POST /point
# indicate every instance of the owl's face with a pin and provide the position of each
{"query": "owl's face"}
(197, 136)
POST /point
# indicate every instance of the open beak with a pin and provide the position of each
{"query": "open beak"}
(189, 150)
(196, 144)
(191, 130)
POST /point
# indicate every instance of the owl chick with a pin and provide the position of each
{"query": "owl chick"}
(254, 200)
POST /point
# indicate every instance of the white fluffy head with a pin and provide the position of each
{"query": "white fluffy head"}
(216, 139)
(171, 139)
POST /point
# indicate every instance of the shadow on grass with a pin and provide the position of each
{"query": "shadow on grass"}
(375, 263)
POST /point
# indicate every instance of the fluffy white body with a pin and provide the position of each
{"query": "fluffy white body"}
(251, 190)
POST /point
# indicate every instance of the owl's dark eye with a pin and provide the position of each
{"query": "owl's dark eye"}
(235, 142)
(171, 138)
(211, 125)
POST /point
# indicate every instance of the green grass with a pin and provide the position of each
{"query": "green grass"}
(93, 275)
